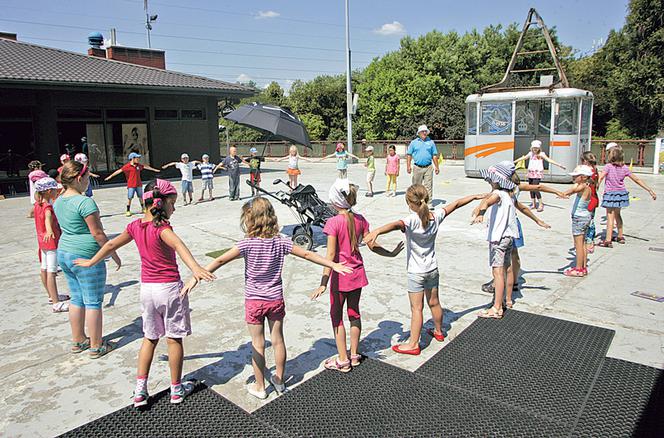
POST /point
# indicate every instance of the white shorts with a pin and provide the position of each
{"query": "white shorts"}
(370, 176)
(49, 260)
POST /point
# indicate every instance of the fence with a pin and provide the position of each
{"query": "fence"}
(640, 152)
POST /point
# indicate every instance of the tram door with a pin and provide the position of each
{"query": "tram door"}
(532, 122)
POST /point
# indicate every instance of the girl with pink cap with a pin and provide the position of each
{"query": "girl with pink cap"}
(341, 154)
(165, 311)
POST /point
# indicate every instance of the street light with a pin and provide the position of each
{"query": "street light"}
(149, 19)
(349, 91)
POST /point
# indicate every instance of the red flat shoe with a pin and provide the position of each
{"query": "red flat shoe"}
(440, 337)
(414, 352)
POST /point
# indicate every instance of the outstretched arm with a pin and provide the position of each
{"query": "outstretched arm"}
(478, 212)
(377, 249)
(520, 159)
(172, 240)
(525, 187)
(552, 161)
(370, 238)
(643, 185)
(352, 155)
(150, 168)
(114, 174)
(166, 165)
(108, 249)
(226, 257)
(528, 212)
(576, 188)
(449, 208)
(315, 258)
(325, 278)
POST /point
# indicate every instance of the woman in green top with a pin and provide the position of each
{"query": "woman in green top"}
(82, 236)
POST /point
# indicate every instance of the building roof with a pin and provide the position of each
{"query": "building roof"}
(30, 64)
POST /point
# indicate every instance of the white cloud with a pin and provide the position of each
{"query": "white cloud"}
(393, 28)
(267, 14)
(243, 78)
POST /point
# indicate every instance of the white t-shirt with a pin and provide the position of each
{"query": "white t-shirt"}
(502, 218)
(293, 161)
(187, 170)
(536, 163)
(32, 191)
(421, 243)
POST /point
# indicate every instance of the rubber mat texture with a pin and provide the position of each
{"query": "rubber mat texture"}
(626, 400)
(203, 414)
(380, 400)
(537, 364)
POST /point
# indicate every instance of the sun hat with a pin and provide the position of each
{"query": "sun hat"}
(422, 128)
(611, 145)
(81, 158)
(340, 146)
(36, 175)
(64, 157)
(500, 174)
(536, 144)
(183, 156)
(338, 192)
(253, 151)
(134, 155)
(369, 149)
(205, 156)
(582, 170)
(45, 183)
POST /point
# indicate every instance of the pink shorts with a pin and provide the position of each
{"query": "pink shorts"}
(164, 312)
(255, 311)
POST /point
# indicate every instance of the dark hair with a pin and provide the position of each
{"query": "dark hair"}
(53, 173)
(159, 216)
(35, 164)
(392, 148)
(590, 158)
(617, 157)
(417, 198)
(70, 171)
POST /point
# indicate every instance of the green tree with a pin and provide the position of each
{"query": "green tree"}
(314, 124)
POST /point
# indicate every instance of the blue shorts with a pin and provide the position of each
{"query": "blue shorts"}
(86, 285)
(421, 282)
(187, 186)
(519, 242)
(138, 191)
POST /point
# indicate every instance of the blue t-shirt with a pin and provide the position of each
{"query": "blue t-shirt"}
(422, 151)
(76, 238)
(342, 160)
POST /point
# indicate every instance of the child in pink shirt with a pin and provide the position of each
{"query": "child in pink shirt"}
(263, 251)
(392, 170)
(344, 233)
(165, 311)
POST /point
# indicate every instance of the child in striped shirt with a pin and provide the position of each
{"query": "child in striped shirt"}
(207, 170)
(264, 250)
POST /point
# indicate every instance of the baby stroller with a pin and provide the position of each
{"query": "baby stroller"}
(306, 206)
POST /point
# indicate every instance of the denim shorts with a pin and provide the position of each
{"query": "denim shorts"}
(580, 225)
(86, 285)
(420, 282)
(208, 184)
(187, 186)
(138, 191)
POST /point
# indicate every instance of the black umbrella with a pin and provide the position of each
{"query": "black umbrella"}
(280, 123)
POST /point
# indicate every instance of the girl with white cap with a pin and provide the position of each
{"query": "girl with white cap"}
(536, 158)
(581, 218)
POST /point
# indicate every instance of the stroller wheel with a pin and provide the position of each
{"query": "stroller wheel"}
(302, 238)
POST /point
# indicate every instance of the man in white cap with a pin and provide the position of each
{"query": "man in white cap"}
(186, 168)
(422, 153)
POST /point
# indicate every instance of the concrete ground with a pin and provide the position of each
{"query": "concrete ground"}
(48, 391)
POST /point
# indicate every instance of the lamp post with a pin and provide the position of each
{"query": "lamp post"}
(349, 91)
(149, 19)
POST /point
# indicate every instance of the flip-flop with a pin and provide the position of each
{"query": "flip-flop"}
(413, 352)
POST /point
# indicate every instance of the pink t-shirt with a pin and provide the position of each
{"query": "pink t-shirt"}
(158, 264)
(615, 177)
(263, 263)
(392, 164)
(337, 226)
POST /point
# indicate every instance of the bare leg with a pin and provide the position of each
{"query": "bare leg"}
(619, 223)
(77, 323)
(175, 358)
(580, 249)
(416, 304)
(515, 267)
(436, 308)
(257, 332)
(93, 321)
(509, 283)
(340, 339)
(42, 276)
(499, 285)
(145, 355)
(279, 347)
(52, 286)
(610, 219)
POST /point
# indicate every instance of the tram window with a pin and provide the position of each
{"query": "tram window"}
(525, 118)
(496, 118)
(471, 118)
(586, 107)
(544, 125)
(566, 116)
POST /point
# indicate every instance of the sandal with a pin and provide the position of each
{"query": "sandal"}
(78, 347)
(61, 306)
(60, 298)
(414, 352)
(106, 347)
(355, 359)
(491, 313)
(333, 363)
(605, 244)
(440, 337)
(573, 272)
(620, 240)
(509, 304)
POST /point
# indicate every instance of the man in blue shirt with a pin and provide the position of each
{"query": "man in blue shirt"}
(422, 153)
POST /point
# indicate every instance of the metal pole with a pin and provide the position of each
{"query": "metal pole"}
(148, 26)
(349, 91)
(228, 145)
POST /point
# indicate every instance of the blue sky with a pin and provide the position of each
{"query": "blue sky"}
(284, 40)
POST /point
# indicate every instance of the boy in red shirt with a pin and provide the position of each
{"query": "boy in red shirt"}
(48, 235)
(132, 171)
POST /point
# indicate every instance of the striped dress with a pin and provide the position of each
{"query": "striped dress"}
(263, 263)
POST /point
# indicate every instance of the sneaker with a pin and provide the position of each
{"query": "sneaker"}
(186, 388)
(262, 395)
(141, 398)
(488, 287)
(128, 213)
(279, 387)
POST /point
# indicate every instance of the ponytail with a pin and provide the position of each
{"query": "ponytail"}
(156, 204)
(351, 198)
(417, 198)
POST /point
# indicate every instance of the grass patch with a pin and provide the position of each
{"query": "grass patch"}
(215, 254)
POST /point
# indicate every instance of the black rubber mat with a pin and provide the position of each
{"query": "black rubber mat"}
(540, 365)
(380, 400)
(627, 400)
(203, 414)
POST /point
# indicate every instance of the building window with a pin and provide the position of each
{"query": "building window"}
(193, 114)
(496, 118)
(79, 113)
(126, 114)
(166, 114)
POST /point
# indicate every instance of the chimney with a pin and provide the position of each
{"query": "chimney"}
(8, 36)
(146, 57)
(96, 40)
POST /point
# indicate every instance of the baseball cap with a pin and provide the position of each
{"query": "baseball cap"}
(183, 156)
(422, 128)
(536, 144)
(369, 149)
(206, 156)
(64, 157)
(134, 155)
(582, 170)
(253, 150)
(611, 145)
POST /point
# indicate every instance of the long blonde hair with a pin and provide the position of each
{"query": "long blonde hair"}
(258, 219)
(351, 198)
(417, 198)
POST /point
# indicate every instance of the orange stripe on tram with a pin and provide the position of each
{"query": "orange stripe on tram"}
(561, 143)
(484, 150)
